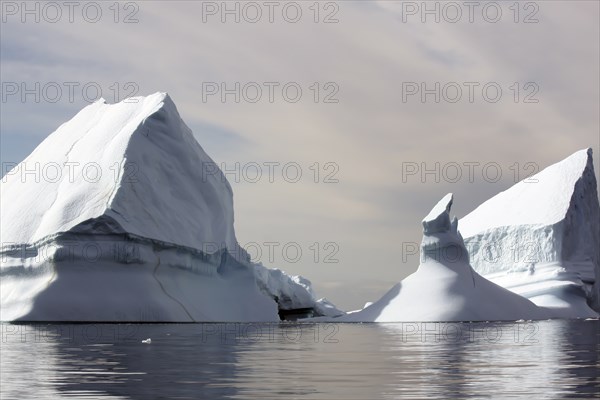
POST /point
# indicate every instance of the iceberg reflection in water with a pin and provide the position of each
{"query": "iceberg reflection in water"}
(540, 359)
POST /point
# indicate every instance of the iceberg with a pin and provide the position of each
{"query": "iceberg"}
(293, 293)
(445, 287)
(120, 215)
(541, 238)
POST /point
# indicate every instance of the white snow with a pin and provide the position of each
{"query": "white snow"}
(445, 287)
(152, 178)
(136, 226)
(541, 238)
(544, 198)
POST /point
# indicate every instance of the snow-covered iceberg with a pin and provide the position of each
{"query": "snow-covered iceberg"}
(445, 287)
(541, 238)
(120, 215)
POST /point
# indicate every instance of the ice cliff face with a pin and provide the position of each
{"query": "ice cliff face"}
(120, 215)
(541, 238)
(445, 287)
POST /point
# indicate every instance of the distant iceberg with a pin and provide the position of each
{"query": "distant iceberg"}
(541, 238)
(133, 222)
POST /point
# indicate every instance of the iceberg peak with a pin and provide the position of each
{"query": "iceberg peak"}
(438, 219)
(543, 198)
(441, 240)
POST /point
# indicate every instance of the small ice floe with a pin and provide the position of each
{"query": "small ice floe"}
(147, 341)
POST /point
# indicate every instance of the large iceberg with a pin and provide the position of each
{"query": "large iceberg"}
(120, 215)
(541, 238)
(445, 287)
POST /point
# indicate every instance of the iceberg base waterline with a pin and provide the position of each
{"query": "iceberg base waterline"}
(105, 278)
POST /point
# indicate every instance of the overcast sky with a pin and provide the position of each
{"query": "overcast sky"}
(361, 120)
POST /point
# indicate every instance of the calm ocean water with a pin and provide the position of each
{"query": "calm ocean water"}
(535, 360)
